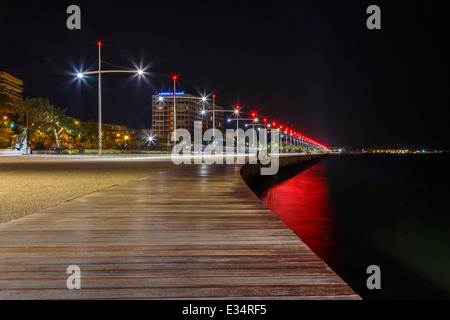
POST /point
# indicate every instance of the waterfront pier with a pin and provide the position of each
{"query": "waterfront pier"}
(193, 232)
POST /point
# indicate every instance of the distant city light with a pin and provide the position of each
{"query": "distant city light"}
(80, 75)
(140, 72)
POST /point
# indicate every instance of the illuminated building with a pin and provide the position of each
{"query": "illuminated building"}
(11, 86)
(189, 109)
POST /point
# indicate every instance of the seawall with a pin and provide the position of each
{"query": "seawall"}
(250, 171)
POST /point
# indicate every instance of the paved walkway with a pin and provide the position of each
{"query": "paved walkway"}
(194, 232)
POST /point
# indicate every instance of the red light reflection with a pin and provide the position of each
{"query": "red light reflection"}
(302, 203)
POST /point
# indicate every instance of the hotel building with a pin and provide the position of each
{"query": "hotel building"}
(189, 109)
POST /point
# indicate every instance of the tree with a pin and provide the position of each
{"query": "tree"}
(5, 135)
(92, 135)
(44, 117)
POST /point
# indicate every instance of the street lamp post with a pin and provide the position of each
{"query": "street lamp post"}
(174, 110)
(99, 100)
(214, 123)
(99, 72)
(214, 119)
(237, 133)
(236, 112)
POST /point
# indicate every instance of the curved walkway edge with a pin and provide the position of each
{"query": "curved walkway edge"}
(194, 232)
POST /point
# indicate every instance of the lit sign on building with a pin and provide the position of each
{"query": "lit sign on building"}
(179, 93)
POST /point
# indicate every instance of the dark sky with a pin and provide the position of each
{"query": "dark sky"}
(313, 64)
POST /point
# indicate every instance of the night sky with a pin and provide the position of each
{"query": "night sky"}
(313, 64)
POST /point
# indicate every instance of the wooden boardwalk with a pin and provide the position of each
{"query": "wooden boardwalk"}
(195, 232)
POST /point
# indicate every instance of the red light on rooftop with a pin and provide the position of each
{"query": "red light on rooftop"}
(99, 43)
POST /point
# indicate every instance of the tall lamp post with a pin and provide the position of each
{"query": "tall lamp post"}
(99, 72)
(174, 78)
(235, 111)
(214, 117)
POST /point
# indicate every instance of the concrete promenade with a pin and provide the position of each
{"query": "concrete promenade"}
(191, 232)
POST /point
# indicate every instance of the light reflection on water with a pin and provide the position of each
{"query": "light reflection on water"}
(302, 203)
(384, 210)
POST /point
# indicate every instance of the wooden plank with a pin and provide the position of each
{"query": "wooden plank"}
(195, 232)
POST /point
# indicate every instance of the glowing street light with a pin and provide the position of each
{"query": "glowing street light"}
(203, 112)
(81, 75)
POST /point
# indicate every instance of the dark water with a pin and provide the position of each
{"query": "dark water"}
(392, 211)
